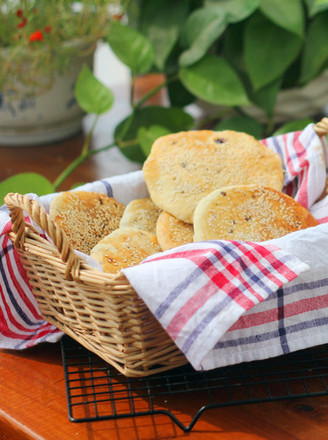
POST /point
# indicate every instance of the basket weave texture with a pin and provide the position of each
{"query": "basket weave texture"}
(101, 311)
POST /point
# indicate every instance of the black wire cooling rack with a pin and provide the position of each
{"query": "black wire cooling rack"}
(96, 391)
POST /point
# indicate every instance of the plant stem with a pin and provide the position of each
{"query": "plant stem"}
(76, 162)
(70, 168)
(270, 126)
(132, 87)
(87, 141)
(153, 92)
(86, 152)
(124, 144)
(135, 107)
(83, 155)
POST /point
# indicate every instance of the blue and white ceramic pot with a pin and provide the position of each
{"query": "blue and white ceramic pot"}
(45, 117)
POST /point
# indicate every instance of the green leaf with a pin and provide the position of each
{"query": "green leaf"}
(147, 136)
(269, 50)
(201, 30)
(315, 54)
(131, 47)
(77, 184)
(266, 97)
(241, 123)
(179, 95)
(161, 23)
(24, 183)
(237, 10)
(233, 46)
(91, 95)
(213, 80)
(287, 14)
(316, 6)
(293, 126)
(291, 77)
(172, 118)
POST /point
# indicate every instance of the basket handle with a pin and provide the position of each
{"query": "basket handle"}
(17, 203)
(321, 127)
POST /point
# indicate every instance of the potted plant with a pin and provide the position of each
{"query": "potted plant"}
(239, 57)
(43, 45)
(236, 59)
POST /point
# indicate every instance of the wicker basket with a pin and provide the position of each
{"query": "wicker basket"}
(101, 311)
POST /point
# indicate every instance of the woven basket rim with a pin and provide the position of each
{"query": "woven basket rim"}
(133, 354)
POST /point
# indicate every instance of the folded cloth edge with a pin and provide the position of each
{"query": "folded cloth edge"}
(196, 319)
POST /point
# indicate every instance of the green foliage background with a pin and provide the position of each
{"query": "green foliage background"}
(228, 53)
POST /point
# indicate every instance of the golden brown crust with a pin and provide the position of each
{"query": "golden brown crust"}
(248, 213)
(184, 167)
(141, 214)
(86, 217)
(123, 248)
(172, 232)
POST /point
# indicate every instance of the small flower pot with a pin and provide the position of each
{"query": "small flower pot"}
(45, 117)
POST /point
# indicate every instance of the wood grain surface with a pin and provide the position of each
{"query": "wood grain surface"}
(32, 387)
(33, 406)
(50, 160)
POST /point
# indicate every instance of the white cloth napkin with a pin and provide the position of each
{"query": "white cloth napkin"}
(233, 301)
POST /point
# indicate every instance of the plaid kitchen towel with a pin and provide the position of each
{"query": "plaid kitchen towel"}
(218, 287)
(292, 318)
(218, 282)
(21, 325)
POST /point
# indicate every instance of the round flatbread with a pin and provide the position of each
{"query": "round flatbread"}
(172, 232)
(123, 248)
(248, 213)
(140, 214)
(86, 217)
(184, 167)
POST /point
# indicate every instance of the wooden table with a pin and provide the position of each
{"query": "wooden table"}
(51, 160)
(33, 406)
(32, 387)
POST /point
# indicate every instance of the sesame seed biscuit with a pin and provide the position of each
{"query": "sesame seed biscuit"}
(172, 232)
(86, 217)
(184, 167)
(123, 248)
(141, 214)
(248, 213)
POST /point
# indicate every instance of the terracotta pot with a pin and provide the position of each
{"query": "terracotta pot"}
(145, 83)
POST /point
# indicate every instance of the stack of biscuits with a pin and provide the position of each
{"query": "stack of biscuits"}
(203, 185)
